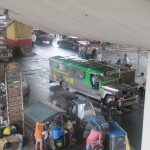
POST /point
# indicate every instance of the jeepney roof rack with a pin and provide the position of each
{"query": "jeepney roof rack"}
(85, 64)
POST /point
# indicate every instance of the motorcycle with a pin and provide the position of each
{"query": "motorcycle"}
(137, 90)
(130, 66)
(2, 88)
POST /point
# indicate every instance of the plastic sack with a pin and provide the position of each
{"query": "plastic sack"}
(6, 131)
(13, 130)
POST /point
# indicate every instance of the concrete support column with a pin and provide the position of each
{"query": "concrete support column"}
(146, 117)
(18, 35)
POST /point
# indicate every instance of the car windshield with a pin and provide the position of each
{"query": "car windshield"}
(80, 39)
(42, 32)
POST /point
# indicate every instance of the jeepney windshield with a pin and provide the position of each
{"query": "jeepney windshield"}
(110, 75)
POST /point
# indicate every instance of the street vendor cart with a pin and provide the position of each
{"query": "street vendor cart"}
(46, 112)
(115, 138)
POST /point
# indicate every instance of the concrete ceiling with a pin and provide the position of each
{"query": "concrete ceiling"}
(117, 21)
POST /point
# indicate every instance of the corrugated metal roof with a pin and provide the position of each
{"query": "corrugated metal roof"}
(42, 111)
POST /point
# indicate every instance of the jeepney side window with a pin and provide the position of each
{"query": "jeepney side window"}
(56, 65)
(61, 67)
(77, 72)
(73, 70)
(81, 74)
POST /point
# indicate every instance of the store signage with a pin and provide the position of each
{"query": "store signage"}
(13, 67)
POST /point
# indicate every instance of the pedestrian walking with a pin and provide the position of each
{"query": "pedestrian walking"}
(99, 56)
(103, 45)
(112, 108)
(33, 38)
(55, 36)
(2, 87)
(95, 82)
(89, 52)
(125, 60)
(142, 83)
(84, 52)
(94, 53)
(94, 138)
(38, 135)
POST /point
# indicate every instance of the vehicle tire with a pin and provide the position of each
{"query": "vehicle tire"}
(131, 107)
(60, 44)
(64, 85)
(28, 92)
(39, 42)
(50, 42)
(73, 47)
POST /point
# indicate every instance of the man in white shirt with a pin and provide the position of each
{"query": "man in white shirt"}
(125, 60)
(95, 81)
(99, 56)
(33, 38)
(142, 83)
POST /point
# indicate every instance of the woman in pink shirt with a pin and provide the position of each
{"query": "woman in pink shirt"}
(93, 136)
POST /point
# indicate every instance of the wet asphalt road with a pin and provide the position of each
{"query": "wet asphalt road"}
(36, 70)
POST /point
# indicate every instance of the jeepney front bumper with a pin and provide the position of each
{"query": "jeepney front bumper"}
(129, 101)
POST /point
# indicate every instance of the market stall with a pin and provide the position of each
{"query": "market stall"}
(46, 112)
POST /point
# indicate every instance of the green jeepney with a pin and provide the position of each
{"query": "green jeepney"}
(77, 74)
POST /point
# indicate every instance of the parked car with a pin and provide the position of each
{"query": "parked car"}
(42, 37)
(74, 43)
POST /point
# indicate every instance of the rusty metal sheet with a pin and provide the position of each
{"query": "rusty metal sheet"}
(2, 72)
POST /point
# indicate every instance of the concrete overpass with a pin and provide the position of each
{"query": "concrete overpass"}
(117, 21)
